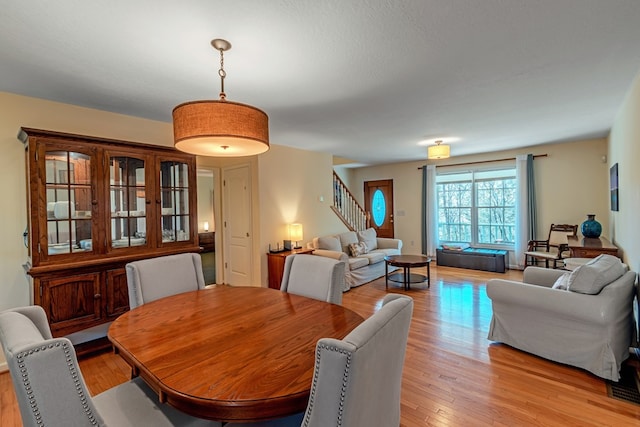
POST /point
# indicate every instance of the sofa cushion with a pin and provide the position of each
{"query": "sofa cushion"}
(357, 249)
(330, 243)
(386, 252)
(369, 236)
(346, 239)
(374, 257)
(593, 276)
(355, 263)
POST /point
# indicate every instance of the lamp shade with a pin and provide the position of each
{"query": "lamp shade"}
(220, 128)
(438, 151)
(295, 232)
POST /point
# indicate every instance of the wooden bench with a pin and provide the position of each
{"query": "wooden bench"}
(473, 258)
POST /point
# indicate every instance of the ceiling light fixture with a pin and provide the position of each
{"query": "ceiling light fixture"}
(438, 151)
(220, 128)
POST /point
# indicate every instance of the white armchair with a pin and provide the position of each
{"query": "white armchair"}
(592, 331)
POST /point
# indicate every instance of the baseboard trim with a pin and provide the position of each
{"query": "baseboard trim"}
(3, 367)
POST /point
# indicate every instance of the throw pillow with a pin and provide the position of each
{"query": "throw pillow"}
(357, 249)
(346, 239)
(329, 243)
(369, 237)
(593, 276)
(562, 282)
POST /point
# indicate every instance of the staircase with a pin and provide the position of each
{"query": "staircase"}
(347, 207)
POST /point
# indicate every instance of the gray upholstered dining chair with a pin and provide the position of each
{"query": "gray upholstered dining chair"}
(50, 388)
(314, 276)
(357, 380)
(155, 278)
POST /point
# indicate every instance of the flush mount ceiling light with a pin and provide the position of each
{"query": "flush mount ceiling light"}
(438, 151)
(220, 128)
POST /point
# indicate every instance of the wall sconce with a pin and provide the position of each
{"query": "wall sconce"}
(295, 234)
(206, 226)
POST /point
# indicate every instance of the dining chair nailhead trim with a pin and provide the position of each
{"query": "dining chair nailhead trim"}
(343, 388)
(21, 357)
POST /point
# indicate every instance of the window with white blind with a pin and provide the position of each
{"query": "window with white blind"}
(477, 207)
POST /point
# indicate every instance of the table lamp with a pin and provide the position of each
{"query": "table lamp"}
(295, 234)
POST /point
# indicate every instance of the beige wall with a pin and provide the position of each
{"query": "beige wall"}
(572, 181)
(624, 149)
(295, 186)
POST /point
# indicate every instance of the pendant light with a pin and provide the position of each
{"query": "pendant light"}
(220, 128)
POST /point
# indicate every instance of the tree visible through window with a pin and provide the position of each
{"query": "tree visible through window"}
(477, 207)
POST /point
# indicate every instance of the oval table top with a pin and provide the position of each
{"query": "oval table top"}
(230, 353)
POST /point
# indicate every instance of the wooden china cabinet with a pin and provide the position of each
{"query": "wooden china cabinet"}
(94, 205)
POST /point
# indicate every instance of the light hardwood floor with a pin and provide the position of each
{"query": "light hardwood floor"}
(453, 376)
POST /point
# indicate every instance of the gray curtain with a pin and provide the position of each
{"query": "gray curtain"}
(424, 222)
(531, 198)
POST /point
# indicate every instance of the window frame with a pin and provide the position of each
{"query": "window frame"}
(473, 177)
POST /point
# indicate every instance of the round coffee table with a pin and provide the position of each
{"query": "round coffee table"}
(406, 262)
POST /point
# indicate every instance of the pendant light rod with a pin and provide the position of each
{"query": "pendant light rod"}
(221, 45)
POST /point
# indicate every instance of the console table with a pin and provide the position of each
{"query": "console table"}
(589, 247)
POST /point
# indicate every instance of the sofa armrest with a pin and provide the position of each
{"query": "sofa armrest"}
(340, 256)
(559, 304)
(387, 243)
(541, 276)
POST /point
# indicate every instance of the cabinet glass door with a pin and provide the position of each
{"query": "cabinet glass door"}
(174, 201)
(69, 196)
(127, 198)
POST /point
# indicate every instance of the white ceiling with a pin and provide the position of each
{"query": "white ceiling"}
(362, 79)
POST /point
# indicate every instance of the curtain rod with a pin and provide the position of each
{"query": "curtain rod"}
(486, 161)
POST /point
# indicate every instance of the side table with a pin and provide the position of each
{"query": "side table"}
(275, 265)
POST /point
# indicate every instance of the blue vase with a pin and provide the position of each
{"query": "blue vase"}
(591, 227)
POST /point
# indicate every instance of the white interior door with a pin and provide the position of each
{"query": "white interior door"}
(237, 226)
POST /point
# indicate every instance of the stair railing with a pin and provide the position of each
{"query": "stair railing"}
(347, 207)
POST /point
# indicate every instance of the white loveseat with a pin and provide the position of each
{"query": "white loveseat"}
(362, 252)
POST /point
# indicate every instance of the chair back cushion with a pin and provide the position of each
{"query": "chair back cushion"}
(557, 238)
(357, 380)
(314, 277)
(155, 278)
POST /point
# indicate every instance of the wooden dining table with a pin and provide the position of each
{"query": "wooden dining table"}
(229, 353)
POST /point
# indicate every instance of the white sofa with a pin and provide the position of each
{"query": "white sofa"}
(367, 262)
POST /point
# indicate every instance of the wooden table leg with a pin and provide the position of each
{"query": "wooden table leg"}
(407, 278)
(386, 275)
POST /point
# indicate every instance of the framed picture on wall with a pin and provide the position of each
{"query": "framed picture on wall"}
(613, 180)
